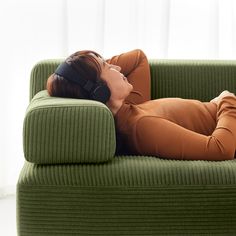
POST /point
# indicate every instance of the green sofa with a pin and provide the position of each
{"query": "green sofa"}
(73, 183)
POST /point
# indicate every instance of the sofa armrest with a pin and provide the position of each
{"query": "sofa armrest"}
(63, 130)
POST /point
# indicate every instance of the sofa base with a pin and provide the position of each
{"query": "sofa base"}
(168, 210)
(50, 203)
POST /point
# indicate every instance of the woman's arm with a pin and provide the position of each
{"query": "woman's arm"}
(160, 137)
(134, 65)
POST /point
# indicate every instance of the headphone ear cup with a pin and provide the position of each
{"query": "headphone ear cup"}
(101, 93)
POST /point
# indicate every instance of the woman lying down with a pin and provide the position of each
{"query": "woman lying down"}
(172, 128)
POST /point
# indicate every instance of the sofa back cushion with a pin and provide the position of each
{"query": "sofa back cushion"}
(40, 73)
(192, 79)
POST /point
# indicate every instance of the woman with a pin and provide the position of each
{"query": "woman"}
(172, 128)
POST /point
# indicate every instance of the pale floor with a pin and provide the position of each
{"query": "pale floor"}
(8, 216)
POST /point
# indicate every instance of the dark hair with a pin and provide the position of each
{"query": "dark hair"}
(87, 67)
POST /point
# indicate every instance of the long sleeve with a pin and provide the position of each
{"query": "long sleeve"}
(161, 137)
(134, 65)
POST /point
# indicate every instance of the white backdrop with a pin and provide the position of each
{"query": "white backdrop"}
(32, 30)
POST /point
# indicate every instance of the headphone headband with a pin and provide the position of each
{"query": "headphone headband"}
(67, 71)
(97, 91)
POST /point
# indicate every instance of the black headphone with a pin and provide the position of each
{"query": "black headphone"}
(97, 90)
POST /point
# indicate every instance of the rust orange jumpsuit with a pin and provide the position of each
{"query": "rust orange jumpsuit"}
(172, 128)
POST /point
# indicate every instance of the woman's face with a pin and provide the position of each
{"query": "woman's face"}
(117, 83)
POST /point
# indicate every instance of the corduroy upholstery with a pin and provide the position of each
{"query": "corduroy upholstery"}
(67, 189)
(58, 130)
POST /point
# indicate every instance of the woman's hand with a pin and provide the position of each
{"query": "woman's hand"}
(225, 93)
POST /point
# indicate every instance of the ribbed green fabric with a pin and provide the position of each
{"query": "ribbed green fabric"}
(128, 196)
(196, 79)
(40, 73)
(193, 79)
(59, 130)
(132, 171)
(182, 211)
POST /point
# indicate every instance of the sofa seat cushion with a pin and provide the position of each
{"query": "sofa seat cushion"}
(132, 171)
(149, 195)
